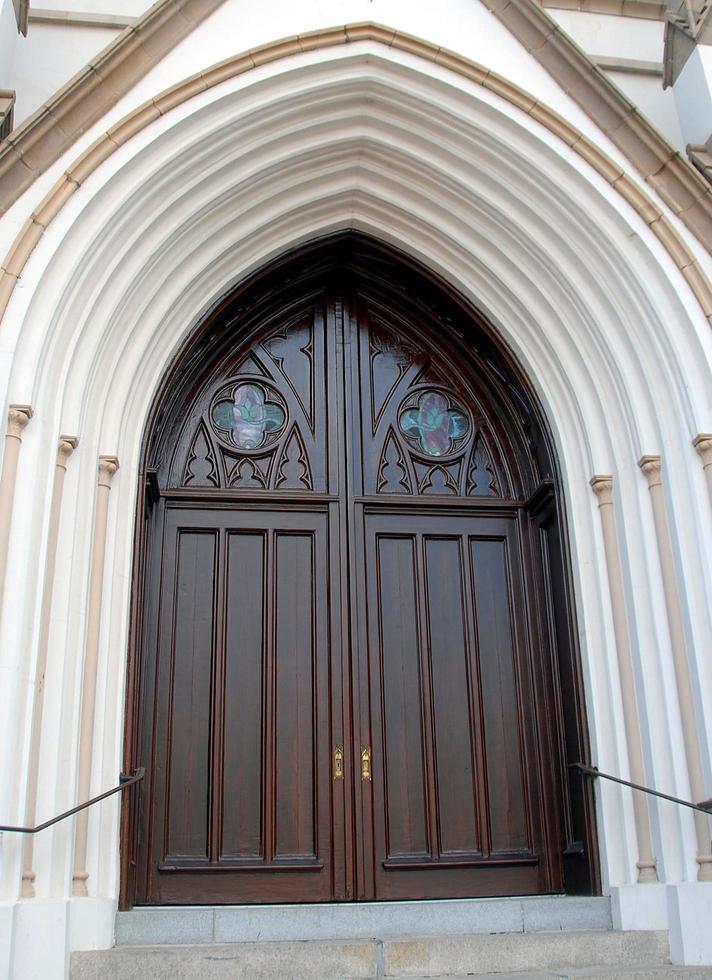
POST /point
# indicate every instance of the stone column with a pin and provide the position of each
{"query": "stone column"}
(703, 445)
(652, 467)
(603, 488)
(67, 445)
(17, 418)
(108, 465)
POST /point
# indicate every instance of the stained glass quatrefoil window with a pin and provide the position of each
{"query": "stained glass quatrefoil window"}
(250, 416)
(433, 425)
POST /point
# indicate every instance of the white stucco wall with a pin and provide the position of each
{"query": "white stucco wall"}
(632, 39)
(8, 43)
(615, 37)
(49, 56)
(646, 92)
(693, 96)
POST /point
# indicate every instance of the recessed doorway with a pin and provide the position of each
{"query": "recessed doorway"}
(354, 672)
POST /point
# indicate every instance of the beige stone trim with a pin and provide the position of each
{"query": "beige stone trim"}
(7, 106)
(652, 468)
(628, 66)
(703, 445)
(67, 445)
(650, 153)
(602, 486)
(141, 117)
(17, 418)
(701, 158)
(54, 127)
(75, 18)
(108, 465)
(642, 9)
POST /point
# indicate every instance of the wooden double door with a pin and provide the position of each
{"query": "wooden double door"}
(343, 691)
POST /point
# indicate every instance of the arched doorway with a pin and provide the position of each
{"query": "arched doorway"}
(354, 672)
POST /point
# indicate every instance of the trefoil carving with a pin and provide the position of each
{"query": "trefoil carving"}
(293, 472)
(481, 474)
(439, 478)
(201, 468)
(392, 469)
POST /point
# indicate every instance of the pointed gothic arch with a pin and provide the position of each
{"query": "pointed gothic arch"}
(344, 421)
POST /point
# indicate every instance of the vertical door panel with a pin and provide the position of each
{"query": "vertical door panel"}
(452, 716)
(244, 695)
(500, 703)
(191, 634)
(295, 663)
(402, 697)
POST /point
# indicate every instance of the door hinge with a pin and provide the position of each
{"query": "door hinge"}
(153, 492)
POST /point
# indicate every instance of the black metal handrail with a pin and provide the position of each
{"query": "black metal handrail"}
(125, 780)
(704, 807)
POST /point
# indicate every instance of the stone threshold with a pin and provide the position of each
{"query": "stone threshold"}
(179, 925)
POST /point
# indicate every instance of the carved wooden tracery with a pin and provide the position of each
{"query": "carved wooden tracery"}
(262, 425)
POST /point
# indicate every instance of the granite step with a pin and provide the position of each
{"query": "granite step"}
(613, 973)
(359, 920)
(584, 953)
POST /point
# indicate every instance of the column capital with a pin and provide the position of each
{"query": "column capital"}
(17, 418)
(108, 465)
(703, 445)
(602, 486)
(65, 448)
(651, 467)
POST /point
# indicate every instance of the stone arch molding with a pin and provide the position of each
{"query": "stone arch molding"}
(462, 176)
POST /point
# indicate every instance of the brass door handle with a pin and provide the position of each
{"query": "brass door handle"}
(338, 762)
(365, 762)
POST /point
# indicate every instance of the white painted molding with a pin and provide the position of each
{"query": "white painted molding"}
(65, 448)
(602, 486)
(651, 465)
(17, 418)
(108, 465)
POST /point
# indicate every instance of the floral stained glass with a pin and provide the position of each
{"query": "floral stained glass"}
(249, 417)
(434, 424)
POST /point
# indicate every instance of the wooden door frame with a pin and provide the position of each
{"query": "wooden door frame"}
(544, 533)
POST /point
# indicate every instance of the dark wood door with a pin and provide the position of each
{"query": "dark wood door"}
(244, 721)
(450, 707)
(342, 678)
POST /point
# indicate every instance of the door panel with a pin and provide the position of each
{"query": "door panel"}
(403, 758)
(190, 622)
(294, 701)
(243, 753)
(243, 682)
(493, 602)
(453, 710)
(447, 675)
